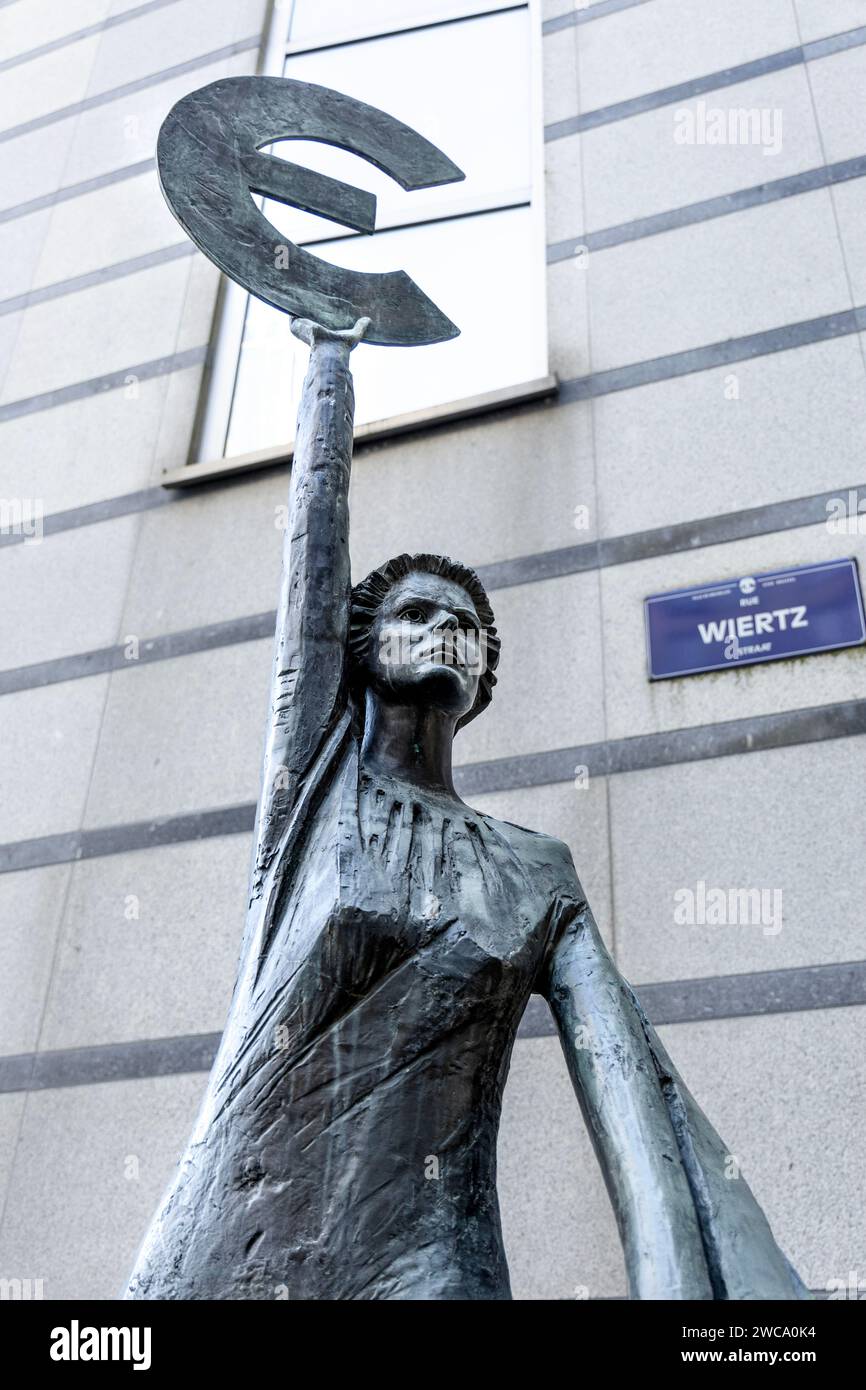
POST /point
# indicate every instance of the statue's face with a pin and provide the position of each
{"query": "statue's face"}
(427, 645)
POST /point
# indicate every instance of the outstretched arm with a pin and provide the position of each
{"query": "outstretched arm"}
(617, 1085)
(308, 679)
(690, 1225)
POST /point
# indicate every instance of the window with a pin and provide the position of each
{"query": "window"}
(464, 76)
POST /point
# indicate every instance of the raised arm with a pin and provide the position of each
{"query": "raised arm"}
(308, 678)
(689, 1224)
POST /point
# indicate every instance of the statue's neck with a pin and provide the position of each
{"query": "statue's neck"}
(410, 742)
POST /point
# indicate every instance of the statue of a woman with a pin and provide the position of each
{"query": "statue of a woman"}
(346, 1146)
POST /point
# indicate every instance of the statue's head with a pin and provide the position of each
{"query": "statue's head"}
(421, 632)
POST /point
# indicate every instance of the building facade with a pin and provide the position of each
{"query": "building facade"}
(660, 274)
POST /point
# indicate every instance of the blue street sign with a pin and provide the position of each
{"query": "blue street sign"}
(762, 617)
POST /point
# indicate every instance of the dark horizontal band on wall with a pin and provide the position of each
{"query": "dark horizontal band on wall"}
(87, 1066)
(680, 1001)
(585, 14)
(717, 997)
(68, 191)
(625, 378)
(72, 846)
(729, 738)
(104, 275)
(795, 185)
(741, 200)
(787, 187)
(229, 633)
(760, 733)
(112, 381)
(702, 359)
(809, 181)
(527, 569)
(139, 84)
(89, 31)
(710, 82)
(681, 536)
(126, 504)
(450, 413)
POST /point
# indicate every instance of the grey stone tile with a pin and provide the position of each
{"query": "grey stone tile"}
(790, 424)
(46, 83)
(172, 35)
(31, 904)
(10, 328)
(119, 7)
(755, 270)
(40, 21)
(196, 322)
(563, 189)
(91, 1165)
(11, 1111)
(780, 1090)
(150, 944)
(635, 168)
(837, 87)
(34, 164)
(850, 203)
(174, 440)
(20, 247)
(87, 450)
(483, 492)
(551, 8)
(65, 593)
(214, 556)
(664, 43)
(112, 326)
(48, 737)
(558, 1226)
(549, 688)
(568, 316)
(202, 750)
(817, 19)
(559, 59)
(115, 223)
(124, 131)
(789, 821)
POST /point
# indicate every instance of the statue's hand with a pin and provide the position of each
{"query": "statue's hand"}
(311, 332)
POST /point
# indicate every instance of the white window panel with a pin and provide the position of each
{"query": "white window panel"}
(463, 86)
(318, 21)
(469, 84)
(482, 271)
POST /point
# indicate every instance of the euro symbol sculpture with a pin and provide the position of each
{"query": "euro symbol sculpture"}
(211, 163)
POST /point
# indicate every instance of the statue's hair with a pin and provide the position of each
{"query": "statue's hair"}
(367, 598)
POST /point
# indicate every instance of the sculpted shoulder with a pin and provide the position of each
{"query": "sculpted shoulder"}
(536, 849)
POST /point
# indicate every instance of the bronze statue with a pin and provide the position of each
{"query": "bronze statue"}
(346, 1148)
(346, 1145)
